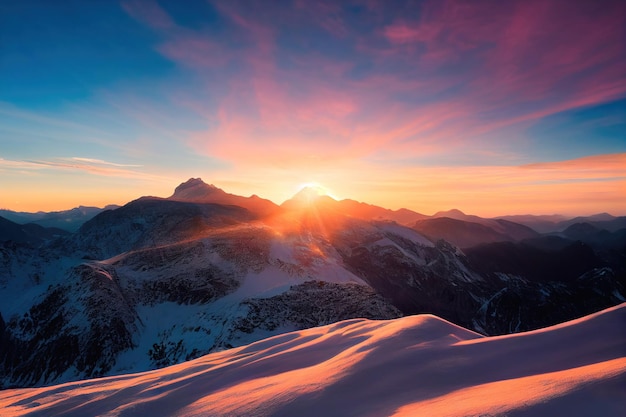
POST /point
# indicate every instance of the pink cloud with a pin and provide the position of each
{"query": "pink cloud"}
(600, 166)
(522, 60)
(511, 62)
(325, 14)
(402, 32)
(312, 111)
(555, 61)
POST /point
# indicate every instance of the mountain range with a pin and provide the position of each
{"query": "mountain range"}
(160, 281)
(558, 223)
(68, 220)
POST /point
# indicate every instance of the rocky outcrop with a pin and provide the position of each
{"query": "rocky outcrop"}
(312, 304)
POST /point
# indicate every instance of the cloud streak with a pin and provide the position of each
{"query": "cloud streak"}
(93, 161)
(509, 63)
(91, 166)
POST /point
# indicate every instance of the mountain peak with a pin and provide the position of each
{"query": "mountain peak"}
(194, 189)
(192, 183)
(450, 213)
(308, 196)
(309, 193)
(601, 217)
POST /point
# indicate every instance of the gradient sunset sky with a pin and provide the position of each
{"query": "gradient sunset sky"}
(492, 107)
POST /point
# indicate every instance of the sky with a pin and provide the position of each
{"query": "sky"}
(490, 107)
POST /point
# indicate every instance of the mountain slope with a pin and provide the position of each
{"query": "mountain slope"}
(458, 232)
(514, 231)
(160, 281)
(558, 223)
(172, 294)
(422, 365)
(29, 233)
(540, 223)
(600, 220)
(68, 220)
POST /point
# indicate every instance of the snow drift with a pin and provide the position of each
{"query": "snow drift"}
(417, 365)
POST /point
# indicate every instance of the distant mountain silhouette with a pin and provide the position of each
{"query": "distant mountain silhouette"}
(29, 233)
(69, 220)
(458, 232)
(558, 223)
(467, 230)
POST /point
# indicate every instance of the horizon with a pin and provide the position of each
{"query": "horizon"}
(492, 108)
(323, 191)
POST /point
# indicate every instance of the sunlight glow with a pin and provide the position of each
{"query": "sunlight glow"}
(317, 189)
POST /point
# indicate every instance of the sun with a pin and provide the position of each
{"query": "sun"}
(315, 189)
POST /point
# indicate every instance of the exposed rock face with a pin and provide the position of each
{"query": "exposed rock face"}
(414, 277)
(36, 348)
(76, 330)
(312, 304)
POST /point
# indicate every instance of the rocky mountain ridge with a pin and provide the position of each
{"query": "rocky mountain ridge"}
(159, 281)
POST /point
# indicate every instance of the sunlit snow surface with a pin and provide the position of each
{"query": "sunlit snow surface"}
(413, 366)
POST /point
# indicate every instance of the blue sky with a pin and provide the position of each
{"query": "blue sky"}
(423, 104)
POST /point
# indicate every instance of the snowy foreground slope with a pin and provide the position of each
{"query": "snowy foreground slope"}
(416, 365)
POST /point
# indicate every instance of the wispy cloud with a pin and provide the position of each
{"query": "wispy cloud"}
(507, 62)
(7, 164)
(438, 98)
(88, 165)
(101, 162)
